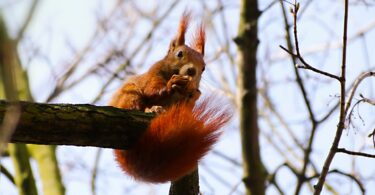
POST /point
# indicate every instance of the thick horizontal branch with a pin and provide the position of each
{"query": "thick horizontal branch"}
(77, 124)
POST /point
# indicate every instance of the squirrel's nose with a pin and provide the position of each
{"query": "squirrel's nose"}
(191, 72)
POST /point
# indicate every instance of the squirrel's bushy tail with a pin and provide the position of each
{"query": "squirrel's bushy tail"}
(175, 141)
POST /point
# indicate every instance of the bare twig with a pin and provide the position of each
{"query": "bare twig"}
(298, 54)
(343, 150)
(234, 188)
(333, 109)
(148, 36)
(269, 6)
(229, 159)
(308, 66)
(94, 171)
(215, 175)
(323, 47)
(350, 176)
(354, 88)
(341, 123)
(373, 136)
(314, 123)
(60, 86)
(7, 174)
(280, 117)
(367, 100)
(27, 21)
(363, 99)
(227, 46)
(275, 137)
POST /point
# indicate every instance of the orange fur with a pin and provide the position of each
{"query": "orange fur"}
(177, 138)
(174, 142)
(199, 39)
(184, 24)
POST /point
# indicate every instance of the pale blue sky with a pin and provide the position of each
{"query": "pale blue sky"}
(62, 27)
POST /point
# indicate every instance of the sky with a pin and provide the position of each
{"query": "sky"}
(70, 25)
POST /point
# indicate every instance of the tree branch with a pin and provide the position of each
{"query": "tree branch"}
(343, 150)
(341, 123)
(27, 21)
(247, 44)
(78, 125)
(298, 53)
(7, 174)
(359, 79)
(350, 176)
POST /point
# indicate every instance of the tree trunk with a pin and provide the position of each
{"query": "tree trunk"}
(45, 156)
(247, 43)
(188, 185)
(24, 178)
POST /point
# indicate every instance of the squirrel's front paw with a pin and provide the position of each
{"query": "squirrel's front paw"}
(155, 109)
(179, 82)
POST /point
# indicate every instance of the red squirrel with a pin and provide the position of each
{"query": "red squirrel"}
(183, 131)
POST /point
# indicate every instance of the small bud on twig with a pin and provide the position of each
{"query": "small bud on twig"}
(296, 7)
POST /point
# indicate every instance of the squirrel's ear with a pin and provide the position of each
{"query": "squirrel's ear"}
(200, 39)
(180, 37)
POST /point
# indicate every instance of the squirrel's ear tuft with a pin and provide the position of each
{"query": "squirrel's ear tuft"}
(182, 28)
(199, 39)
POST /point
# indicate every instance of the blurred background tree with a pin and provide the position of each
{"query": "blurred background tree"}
(81, 52)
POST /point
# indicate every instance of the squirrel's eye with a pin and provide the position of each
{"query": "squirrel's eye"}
(203, 69)
(179, 54)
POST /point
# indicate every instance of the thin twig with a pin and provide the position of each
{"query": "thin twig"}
(281, 152)
(333, 109)
(350, 176)
(215, 175)
(269, 6)
(27, 21)
(136, 50)
(95, 171)
(314, 123)
(225, 46)
(298, 54)
(60, 86)
(7, 174)
(308, 66)
(373, 136)
(363, 99)
(277, 135)
(341, 124)
(343, 150)
(323, 47)
(359, 79)
(225, 157)
(369, 101)
(280, 118)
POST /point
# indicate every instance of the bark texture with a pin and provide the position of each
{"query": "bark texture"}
(79, 125)
(188, 185)
(247, 43)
